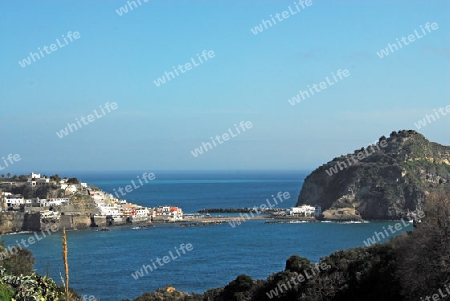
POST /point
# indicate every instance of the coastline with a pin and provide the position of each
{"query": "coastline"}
(208, 220)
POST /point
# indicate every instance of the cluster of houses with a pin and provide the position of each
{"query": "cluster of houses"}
(167, 212)
(106, 203)
(35, 180)
(15, 200)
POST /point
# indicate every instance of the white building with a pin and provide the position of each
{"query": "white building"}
(50, 214)
(83, 185)
(34, 179)
(100, 197)
(305, 210)
(14, 200)
(141, 212)
(42, 181)
(52, 202)
(34, 176)
(172, 213)
(109, 209)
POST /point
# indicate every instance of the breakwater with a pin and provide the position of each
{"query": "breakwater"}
(236, 210)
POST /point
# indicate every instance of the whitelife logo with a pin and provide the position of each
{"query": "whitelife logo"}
(11, 158)
(10, 251)
(284, 15)
(184, 248)
(145, 176)
(224, 136)
(27, 61)
(423, 122)
(300, 278)
(436, 297)
(90, 118)
(162, 80)
(360, 156)
(124, 9)
(378, 236)
(243, 217)
(411, 38)
(322, 85)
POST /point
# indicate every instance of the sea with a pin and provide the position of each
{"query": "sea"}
(103, 265)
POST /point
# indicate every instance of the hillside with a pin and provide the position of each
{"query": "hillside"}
(383, 181)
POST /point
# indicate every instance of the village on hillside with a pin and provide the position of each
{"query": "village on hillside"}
(54, 200)
(75, 198)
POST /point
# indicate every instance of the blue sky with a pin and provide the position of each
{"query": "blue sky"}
(250, 78)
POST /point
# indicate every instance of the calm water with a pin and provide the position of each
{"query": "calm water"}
(101, 263)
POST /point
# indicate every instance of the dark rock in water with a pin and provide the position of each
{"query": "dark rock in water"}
(383, 181)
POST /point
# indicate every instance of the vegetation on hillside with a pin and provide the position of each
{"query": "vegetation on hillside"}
(13, 178)
(19, 282)
(385, 184)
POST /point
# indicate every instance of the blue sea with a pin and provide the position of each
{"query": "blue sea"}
(101, 263)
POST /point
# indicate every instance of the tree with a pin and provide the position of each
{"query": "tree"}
(55, 178)
(297, 264)
(9, 175)
(42, 192)
(238, 289)
(18, 263)
(425, 262)
(73, 181)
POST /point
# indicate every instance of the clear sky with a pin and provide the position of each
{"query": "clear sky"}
(250, 78)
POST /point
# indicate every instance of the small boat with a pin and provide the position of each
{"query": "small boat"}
(142, 227)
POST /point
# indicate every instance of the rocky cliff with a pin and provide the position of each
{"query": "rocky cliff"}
(383, 181)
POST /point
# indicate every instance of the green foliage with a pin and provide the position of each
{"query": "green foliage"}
(14, 178)
(42, 192)
(6, 292)
(19, 281)
(424, 264)
(297, 264)
(73, 181)
(237, 289)
(18, 262)
(31, 287)
(55, 178)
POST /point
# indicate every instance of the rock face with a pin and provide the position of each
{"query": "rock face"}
(382, 181)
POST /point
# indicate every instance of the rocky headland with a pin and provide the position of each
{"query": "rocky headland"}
(389, 180)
